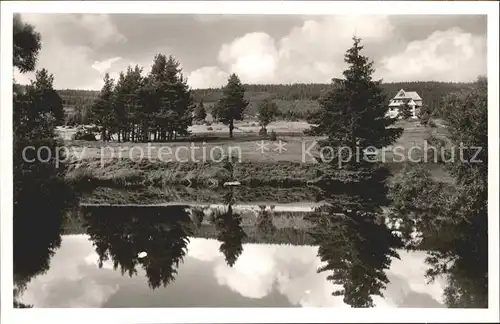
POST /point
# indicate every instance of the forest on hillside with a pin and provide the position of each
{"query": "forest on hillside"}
(294, 101)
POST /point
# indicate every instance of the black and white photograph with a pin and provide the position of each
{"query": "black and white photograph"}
(281, 161)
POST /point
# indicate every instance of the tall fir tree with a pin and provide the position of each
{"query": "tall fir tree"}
(232, 105)
(353, 113)
(355, 243)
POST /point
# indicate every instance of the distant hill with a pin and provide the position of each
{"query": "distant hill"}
(294, 100)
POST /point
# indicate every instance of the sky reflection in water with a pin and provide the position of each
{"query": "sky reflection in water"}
(264, 275)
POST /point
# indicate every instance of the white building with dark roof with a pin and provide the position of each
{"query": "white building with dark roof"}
(405, 97)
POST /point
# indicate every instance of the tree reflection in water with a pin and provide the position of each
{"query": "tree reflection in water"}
(119, 234)
(353, 239)
(453, 222)
(230, 231)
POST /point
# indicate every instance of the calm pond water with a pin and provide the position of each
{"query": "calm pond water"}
(220, 255)
(264, 275)
(335, 252)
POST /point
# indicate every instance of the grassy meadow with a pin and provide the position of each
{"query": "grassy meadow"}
(161, 165)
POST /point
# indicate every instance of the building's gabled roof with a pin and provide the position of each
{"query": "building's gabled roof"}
(401, 94)
(413, 95)
(407, 95)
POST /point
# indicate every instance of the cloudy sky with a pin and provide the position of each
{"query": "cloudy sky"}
(79, 48)
(264, 275)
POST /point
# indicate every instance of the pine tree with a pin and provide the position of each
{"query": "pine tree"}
(120, 106)
(148, 116)
(171, 97)
(200, 114)
(126, 103)
(182, 105)
(405, 111)
(153, 97)
(268, 110)
(44, 97)
(232, 105)
(102, 113)
(353, 240)
(352, 113)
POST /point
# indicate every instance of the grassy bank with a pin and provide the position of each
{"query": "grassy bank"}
(120, 165)
(179, 194)
(157, 181)
(124, 173)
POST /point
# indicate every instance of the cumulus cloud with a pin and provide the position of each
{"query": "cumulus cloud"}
(292, 271)
(326, 40)
(264, 267)
(453, 54)
(68, 283)
(79, 48)
(314, 52)
(207, 77)
(254, 57)
(70, 45)
(74, 279)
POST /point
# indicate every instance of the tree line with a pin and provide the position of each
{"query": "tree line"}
(295, 101)
(158, 106)
(137, 108)
(429, 90)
